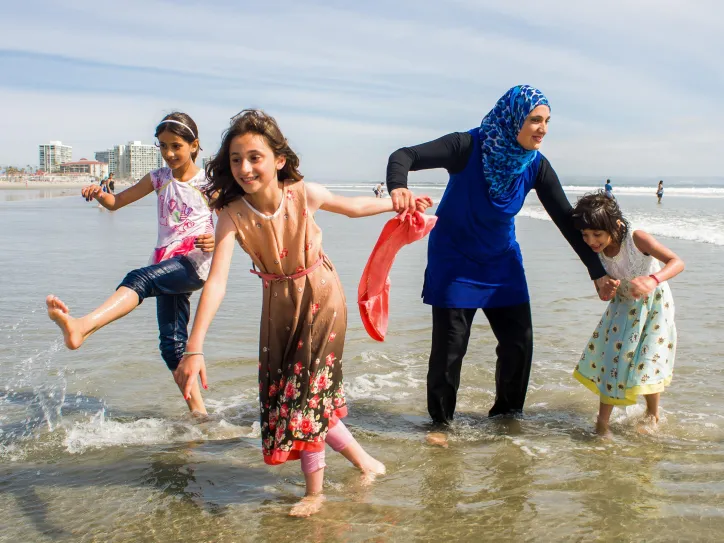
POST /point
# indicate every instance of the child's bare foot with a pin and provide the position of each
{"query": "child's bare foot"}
(307, 506)
(60, 315)
(438, 439)
(649, 424)
(604, 430)
(371, 469)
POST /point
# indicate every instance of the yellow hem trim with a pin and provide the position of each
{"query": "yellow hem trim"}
(631, 393)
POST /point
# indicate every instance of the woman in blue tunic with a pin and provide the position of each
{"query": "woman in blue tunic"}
(473, 260)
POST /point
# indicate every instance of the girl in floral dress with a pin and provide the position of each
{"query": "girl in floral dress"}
(632, 349)
(265, 206)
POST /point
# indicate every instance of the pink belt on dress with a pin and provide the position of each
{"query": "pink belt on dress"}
(275, 277)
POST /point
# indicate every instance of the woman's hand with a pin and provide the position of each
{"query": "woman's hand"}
(606, 287)
(205, 242)
(90, 192)
(642, 285)
(403, 200)
(190, 367)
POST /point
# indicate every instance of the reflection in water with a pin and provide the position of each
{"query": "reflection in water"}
(18, 195)
(619, 493)
(170, 473)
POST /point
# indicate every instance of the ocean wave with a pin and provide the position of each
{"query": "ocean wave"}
(695, 192)
(100, 432)
(689, 229)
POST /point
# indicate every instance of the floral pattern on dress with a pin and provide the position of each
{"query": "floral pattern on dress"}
(634, 344)
(303, 327)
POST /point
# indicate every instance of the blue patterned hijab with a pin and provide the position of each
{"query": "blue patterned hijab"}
(503, 157)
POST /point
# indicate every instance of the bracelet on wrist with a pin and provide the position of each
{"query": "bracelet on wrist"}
(192, 353)
(655, 278)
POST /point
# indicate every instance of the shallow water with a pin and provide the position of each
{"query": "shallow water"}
(95, 444)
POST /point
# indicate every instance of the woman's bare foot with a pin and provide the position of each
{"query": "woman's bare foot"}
(438, 439)
(60, 315)
(307, 506)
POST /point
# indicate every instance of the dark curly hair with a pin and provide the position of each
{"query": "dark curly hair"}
(222, 188)
(596, 211)
(189, 133)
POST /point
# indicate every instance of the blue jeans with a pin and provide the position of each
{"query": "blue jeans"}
(171, 282)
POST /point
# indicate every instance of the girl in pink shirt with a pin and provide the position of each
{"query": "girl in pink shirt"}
(180, 262)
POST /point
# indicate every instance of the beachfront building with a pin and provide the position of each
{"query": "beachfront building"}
(105, 157)
(52, 155)
(114, 158)
(84, 166)
(140, 159)
(206, 160)
(132, 160)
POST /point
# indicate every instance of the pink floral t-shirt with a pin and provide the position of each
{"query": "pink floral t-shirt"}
(183, 214)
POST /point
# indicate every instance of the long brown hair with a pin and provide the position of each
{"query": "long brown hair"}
(189, 132)
(222, 188)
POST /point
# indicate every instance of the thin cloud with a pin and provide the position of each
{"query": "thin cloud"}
(353, 84)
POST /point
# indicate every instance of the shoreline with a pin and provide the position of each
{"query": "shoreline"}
(30, 185)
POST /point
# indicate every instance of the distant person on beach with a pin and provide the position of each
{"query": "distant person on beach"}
(265, 205)
(111, 184)
(379, 191)
(608, 188)
(660, 191)
(473, 259)
(181, 260)
(633, 347)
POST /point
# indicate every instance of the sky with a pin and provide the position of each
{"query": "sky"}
(632, 83)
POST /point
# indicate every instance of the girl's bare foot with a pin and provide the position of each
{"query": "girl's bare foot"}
(60, 315)
(649, 424)
(371, 469)
(307, 506)
(438, 439)
(603, 430)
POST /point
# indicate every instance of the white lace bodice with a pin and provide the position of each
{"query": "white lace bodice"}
(628, 264)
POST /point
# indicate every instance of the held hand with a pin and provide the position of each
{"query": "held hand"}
(205, 242)
(90, 192)
(641, 286)
(403, 200)
(190, 367)
(422, 203)
(606, 287)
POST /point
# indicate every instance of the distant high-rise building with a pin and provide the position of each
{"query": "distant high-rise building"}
(110, 157)
(206, 160)
(105, 157)
(52, 155)
(140, 159)
(118, 159)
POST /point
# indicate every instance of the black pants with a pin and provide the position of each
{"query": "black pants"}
(513, 329)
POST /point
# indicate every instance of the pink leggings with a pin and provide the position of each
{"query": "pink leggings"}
(338, 438)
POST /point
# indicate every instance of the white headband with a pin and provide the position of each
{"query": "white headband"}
(177, 122)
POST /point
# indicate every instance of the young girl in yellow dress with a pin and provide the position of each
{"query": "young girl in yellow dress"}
(632, 350)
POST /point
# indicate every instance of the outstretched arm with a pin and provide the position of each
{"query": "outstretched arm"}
(450, 152)
(214, 291)
(551, 195)
(116, 201)
(319, 197)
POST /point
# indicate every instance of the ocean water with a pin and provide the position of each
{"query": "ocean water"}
(95, 444)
